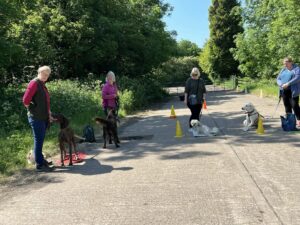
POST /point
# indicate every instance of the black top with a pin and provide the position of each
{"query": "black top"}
(38, 105)
(191, 88)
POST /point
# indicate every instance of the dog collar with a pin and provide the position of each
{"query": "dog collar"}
(250, 113)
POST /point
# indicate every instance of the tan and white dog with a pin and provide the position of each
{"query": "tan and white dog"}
(252, 116)
(30, 158)
(199, 129)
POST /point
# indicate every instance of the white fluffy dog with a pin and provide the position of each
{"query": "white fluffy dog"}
(252, 116)
(30, 158)
(199, 129)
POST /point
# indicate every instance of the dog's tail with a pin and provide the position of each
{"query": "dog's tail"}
(78, 137)
(102, 121)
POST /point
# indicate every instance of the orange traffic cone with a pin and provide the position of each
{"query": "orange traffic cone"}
(178, 130)
(260, 127)
(204, 104)
(173, 115)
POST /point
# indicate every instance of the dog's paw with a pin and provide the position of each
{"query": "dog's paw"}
(245, 129)
(104, 146)
(214, 131)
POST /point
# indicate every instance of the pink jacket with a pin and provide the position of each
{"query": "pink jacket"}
(108, 95)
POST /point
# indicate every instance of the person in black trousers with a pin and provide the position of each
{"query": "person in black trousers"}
(288, 81)
(194, 94)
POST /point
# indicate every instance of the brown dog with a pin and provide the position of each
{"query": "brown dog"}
(66, 135)
(110, 129)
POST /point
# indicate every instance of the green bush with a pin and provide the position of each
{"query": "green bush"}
(13, 114)
(176, 70)
(126, 101)
(139, 93)
(76, 100)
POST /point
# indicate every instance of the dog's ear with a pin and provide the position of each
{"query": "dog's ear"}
(111, 113)
(64, 122)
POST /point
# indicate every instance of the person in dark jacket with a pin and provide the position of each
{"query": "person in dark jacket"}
(288, 81)
(37, 101)
(194, 94)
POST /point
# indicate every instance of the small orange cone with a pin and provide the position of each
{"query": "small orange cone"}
(204, 104)
(260, 127)
(178, 130)
(173, 115)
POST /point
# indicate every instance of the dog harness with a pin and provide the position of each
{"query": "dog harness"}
(254, 113)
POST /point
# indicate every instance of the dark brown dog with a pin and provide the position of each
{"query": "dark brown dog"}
(110, 129)
(65, 136)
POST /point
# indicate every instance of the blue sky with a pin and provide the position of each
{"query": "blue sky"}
(189, 19)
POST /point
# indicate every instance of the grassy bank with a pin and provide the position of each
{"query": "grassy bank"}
(78, 101)
(266, 88)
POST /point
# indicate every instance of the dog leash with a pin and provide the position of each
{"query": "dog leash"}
(272, 116)
(276, 107)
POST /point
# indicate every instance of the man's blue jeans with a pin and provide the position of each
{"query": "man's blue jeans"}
(39, 131)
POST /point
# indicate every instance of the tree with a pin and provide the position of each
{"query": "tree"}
(204, 59)
(225, 23)
(187, 48)
(10, 51)
(271, 33)
(76, 37)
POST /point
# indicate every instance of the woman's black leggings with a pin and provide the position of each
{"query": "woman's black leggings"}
(195, 110)
(291, 103)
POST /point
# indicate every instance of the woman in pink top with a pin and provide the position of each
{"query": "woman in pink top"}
(109, 93)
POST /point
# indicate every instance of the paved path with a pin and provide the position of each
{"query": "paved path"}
(154, 178)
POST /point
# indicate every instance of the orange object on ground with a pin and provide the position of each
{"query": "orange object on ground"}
(81, 156)
(204, 104)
